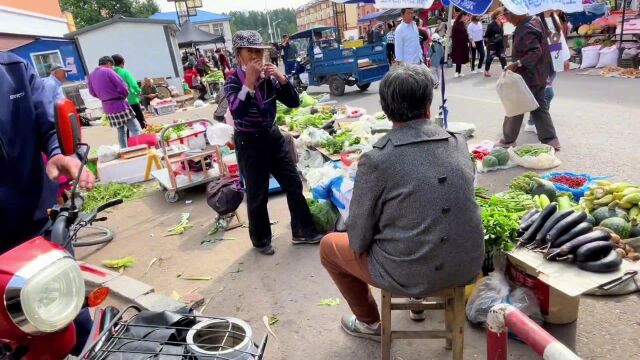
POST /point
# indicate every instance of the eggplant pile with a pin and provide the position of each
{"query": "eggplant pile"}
(568, 236)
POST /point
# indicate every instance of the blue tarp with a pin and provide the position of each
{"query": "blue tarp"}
(370, 17)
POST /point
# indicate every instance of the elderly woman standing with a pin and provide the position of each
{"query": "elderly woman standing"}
(404, 233)
(252, 91)
(459, 43)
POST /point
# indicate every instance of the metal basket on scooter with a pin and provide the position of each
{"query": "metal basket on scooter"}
(174, 335)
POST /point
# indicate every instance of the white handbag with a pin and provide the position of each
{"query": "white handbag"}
(515, 95)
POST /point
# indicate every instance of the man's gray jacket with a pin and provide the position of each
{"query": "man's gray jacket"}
(414, 212)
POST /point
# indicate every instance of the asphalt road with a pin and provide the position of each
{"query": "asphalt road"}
(597, 122)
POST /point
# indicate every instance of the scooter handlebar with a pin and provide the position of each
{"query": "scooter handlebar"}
(60, 230)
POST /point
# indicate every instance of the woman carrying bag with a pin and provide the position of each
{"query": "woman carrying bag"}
(252, 90)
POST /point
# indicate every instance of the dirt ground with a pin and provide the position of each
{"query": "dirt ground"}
(291, 283)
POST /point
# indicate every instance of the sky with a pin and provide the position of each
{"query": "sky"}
(220, 6)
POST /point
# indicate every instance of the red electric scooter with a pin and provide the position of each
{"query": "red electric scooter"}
(41, 284)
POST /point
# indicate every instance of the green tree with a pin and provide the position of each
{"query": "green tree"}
(257, 20)
(86, 12)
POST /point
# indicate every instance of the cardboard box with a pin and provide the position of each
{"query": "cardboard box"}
(557, 285)
(128, 171)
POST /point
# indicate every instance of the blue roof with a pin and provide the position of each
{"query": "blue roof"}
(201, 17)
(370, 16)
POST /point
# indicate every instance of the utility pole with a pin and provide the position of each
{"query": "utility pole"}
(448, 35)
(268, 21)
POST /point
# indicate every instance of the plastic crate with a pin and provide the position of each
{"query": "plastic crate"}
(165, 109)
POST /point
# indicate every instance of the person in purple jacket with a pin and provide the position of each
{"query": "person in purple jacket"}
(106, 85)
(252, 91)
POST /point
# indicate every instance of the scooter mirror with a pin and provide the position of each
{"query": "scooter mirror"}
(67, 126)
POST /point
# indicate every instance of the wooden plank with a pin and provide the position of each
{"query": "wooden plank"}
(418, 306)
(458, 323)
(326, 154)
(423, 334)
(448, 321)
(385, 343)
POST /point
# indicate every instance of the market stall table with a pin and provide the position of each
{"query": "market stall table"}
(558, 285)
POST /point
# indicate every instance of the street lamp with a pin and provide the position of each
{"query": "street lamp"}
(277, 30)
(268, 21)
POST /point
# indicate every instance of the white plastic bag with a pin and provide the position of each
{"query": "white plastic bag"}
(313, 137)
(488, 292)
(608, 57)
(540, 162)
(323, 174)
(590, 56)
(465, 129)
(525, 300)
(515, 95)
(108, 153)
(219, 133)
(308, 160)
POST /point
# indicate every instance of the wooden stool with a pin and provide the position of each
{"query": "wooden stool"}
(450, 300)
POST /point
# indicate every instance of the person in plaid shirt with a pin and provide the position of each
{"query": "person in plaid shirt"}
(107, 86)
(532, 60)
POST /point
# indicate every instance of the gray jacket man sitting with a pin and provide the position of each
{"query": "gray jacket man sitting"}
(414, 226)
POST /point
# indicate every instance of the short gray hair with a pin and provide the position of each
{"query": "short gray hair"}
(405, 92)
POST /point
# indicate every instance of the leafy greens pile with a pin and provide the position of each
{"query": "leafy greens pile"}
(501, 215)
(104, 193)
(339, 141)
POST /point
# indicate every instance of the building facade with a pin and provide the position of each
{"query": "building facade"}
(321, 13)
(363, 10)
(217, 24)
(33, 30)
(151, 49)
(40, 18)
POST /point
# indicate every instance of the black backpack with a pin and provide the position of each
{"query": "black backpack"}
(225, 195)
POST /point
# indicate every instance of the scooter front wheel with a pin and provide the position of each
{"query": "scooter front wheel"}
(93, 235)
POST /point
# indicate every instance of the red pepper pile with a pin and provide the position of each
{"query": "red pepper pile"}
(570, 181)
(479, 154)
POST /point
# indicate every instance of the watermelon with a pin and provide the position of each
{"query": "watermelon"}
(618, 225)
(604, 213)
(489, 162)
(501, 154)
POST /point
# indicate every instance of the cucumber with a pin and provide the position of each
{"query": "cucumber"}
(609, 263)
(573, 245)
(566, 225)
(594, 251)
(563, 203)
(545, 214)
(581, 229)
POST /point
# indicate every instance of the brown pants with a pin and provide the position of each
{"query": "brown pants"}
(350, 272)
